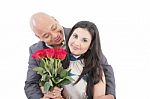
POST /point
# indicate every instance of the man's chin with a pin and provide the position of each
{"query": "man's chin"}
(57, 44)
(54, 44)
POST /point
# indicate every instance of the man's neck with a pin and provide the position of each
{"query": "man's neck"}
(57, 46)
(62, 45)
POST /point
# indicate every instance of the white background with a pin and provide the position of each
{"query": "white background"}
(124, 27)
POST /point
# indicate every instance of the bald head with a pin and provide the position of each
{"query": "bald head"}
(41, 21)
(47, 28)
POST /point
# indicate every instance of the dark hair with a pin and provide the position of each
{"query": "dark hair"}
(92, 58)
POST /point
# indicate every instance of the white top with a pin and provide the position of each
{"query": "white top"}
(77, 91)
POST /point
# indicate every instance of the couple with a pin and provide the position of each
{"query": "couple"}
(94, 78)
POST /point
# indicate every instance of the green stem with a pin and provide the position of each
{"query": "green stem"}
(45, 66)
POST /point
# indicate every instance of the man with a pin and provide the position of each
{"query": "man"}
(51, 34)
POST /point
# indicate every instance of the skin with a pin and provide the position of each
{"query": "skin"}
(47, 29)
(55, 94)
(79, 43)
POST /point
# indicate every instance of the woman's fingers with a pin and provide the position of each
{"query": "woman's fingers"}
(49, 95)
(57, 89)
(54, 94)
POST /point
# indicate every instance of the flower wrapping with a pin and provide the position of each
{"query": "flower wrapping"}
(50, 68)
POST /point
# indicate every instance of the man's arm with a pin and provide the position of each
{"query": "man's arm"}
(32, 88)
(110, 80)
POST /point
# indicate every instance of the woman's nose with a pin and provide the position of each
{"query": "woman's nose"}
(77, 42)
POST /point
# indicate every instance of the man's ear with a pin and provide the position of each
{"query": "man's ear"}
(37, 36)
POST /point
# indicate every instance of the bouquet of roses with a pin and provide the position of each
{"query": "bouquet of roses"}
(50, 68)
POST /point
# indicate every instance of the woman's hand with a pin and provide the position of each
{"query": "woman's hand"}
(54, 94)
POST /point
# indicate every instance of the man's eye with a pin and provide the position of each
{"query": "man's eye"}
(60, 31)
(46, 35)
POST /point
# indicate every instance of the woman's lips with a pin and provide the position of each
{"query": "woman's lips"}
(75, 48)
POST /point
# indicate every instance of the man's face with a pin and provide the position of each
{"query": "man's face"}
(50, 32)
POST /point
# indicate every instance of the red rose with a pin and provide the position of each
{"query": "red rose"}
(60, 54)
(51, 64)
(39, 54)
(50, 52)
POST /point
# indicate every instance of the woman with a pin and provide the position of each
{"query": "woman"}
(85, 63)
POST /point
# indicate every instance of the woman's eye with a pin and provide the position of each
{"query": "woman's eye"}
(84, 40)
(75, 36)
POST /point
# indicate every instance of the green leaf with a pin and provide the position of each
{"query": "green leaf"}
(47, 86)
(69, 78)
(44, 77)
(63, 73)
(39, 70)
(59, 70)
(57, 80)
(50, 82)
(64, 82)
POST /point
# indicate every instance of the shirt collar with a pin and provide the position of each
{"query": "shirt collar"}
(74, 58)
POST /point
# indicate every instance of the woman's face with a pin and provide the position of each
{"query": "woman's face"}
(79, 41)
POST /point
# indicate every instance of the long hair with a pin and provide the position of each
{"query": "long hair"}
(92, 57)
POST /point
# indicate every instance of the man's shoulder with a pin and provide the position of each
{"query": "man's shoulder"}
(67, 30)
(37, 46)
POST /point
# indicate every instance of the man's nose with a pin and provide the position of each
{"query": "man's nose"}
(54, 34)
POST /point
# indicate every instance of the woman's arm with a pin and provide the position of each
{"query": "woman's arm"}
(100, 88)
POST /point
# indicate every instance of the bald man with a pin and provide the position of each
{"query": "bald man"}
(52, 34)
